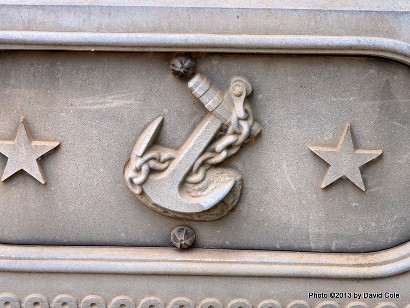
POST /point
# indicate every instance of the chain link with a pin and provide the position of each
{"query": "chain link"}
(237, 134)
(140, 167)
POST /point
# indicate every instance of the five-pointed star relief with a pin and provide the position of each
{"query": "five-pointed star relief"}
(23, 152)
(344, 160)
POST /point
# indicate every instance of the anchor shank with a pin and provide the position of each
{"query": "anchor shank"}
(193, 148)
(164, 189)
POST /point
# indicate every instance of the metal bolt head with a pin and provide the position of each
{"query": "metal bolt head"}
(183, 66)
(183, 237)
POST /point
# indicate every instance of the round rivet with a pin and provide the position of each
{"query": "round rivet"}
(387, 305)
(64, 301)
(181, 302)
(357, 305)
(183, 66)
(92, 301)
(239, 303)
(269, 303)
(183, 237)
(210, 303)
(151, 302)
(298, 304)
(35, 301)
(9, 300)
(328, 304)
(122, 302)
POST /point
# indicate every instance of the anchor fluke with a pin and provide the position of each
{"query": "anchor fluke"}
(210, 200)
(148, 137)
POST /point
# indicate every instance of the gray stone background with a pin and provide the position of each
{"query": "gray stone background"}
(97, 104)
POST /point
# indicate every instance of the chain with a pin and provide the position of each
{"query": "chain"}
(140, 167)
(237, 134)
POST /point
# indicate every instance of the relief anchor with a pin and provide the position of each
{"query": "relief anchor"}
(183, 183)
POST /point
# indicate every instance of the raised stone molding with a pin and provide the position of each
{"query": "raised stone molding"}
(65, 300)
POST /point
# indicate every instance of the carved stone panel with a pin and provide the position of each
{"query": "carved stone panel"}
(204, 154)
(101, 103)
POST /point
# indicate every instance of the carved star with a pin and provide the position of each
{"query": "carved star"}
(23, 152)
(344, 160)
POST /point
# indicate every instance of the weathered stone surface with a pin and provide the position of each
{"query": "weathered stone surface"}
(97, 104)
(104, 74)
